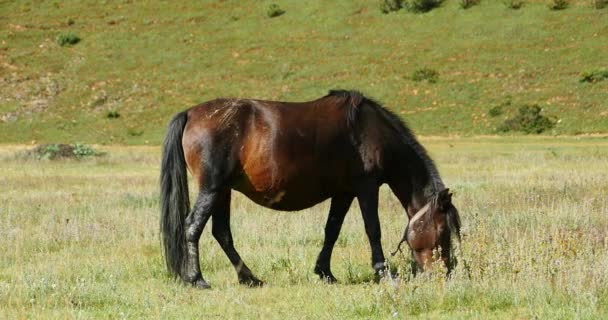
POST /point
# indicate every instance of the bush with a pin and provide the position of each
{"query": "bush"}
(113, 114)
(594, 76)
(62, 151)
(559, 4)
(420, 6)
(465, 4)
(495, 111)
(499, 109)
(83, 150)
(514, 4)
(66, 39)
(600, 4)
(425, 74)
(387, 6)
(274, 10)
(528, 120)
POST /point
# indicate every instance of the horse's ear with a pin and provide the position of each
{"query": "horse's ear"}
(445, 198)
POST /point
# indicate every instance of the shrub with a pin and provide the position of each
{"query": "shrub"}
(600, 4)
(559, 4)
(514, 4)
(113, 114)
(274, 10)
(495, 111)
(62, 151)
(387, 6)
(500, 109)
(420, 6)
(594, 76)
(465, 4)
(425, 74)
(83, 150)
(528, 120)
(66, 39)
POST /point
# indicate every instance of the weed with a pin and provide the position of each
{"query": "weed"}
(559, 4)
(594, 76)
(528, 120)
(67, 39)
(274, 11)
(387, 6)
(425, 74)
(466, 4)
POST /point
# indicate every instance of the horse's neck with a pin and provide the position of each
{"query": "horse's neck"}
(418, 200)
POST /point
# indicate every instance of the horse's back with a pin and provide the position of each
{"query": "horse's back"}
(282, 155)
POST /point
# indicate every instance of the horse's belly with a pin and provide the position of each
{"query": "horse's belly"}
(285, 199)
(291, 195)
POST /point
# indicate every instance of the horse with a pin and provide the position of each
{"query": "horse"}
(289, 156)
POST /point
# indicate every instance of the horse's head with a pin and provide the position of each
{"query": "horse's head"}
(431, 229)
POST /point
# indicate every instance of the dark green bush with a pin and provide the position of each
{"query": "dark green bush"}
(594, 76)
(387, 6)
(514, 4)
(528, 120)
(67, 39)
(498, 110)
(421, 6)
(425, 74)
(559, 4)
(495, 111)
(600, 4)
(274, 10)
(466, 4)
(113, 114)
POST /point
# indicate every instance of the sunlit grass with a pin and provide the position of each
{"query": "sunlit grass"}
(80, 239)
(147, 60)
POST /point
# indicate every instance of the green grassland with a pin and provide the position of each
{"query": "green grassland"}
(145, 60)
(79, 239)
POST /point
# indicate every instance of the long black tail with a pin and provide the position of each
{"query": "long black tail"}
(174, 198)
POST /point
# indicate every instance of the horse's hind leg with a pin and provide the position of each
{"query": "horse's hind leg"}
(337, 212)
(222, 233)
(195, 223)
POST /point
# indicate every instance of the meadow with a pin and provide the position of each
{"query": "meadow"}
(79, 239)
(137, 63)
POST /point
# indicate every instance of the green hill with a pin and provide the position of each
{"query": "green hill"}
(138, 63)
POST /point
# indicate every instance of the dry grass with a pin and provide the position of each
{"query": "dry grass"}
(79, 239)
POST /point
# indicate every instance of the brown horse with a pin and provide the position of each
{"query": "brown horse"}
(292, 156)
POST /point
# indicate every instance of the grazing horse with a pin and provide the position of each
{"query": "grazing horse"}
(292, 156)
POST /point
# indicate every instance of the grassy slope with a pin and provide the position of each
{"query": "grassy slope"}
(147, 60)
(80, 240)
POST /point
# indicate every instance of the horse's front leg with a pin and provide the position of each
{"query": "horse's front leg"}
(368, 201)
(337, 212)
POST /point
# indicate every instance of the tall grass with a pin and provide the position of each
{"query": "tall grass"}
(80, 240)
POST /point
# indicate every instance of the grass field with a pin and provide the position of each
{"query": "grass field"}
(79, 239)
(146, 60)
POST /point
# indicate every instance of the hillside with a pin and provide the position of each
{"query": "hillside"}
(138, 63)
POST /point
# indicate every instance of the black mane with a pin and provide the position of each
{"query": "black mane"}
(403, 134)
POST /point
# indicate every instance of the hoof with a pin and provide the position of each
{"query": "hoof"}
(251, 281)
(201, 284)
(326, 276)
